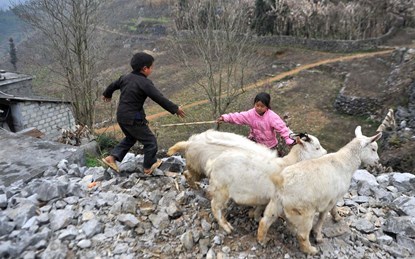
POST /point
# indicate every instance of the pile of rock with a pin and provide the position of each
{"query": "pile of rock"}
(80, 212)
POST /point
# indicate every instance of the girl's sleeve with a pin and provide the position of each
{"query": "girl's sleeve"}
(280, 126)
(240, 118)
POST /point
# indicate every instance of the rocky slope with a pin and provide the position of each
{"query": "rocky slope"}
(63, 215)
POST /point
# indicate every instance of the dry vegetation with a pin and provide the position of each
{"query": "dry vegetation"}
(306, 97)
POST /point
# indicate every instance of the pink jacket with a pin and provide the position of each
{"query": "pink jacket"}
(262, 128)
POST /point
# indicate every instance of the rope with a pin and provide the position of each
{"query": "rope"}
(188, 123)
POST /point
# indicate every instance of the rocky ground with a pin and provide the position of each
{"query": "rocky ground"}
(80, 212)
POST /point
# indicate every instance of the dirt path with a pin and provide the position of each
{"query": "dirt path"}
(260, 83)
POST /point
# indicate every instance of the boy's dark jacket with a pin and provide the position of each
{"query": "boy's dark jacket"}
(135, 88)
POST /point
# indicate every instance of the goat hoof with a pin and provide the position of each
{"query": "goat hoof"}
(318, 236)
(228, 228)
(263, 242)
(319, 239)
(311, 250)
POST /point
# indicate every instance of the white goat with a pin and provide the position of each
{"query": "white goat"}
(315, 186)
(208, 145)
(243, 176)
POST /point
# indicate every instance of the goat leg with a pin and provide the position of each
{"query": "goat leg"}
(302, 219)
(270, 216)
(317, 227)
(218, 202)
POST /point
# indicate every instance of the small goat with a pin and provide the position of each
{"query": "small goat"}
(199, 148)
(243, 175)
(315, 186)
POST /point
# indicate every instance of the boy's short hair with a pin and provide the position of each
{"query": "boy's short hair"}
(265, 98)
(140, 60)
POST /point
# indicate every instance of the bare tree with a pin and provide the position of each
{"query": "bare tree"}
(67, 27)
(213, 40)
(337, 19)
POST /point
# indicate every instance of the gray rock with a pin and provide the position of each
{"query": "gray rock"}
(406, 205)
(382, 194)
(6, 227)
(160, 220)
(61, 218)
(173, 211)
(187, 240)
(128, 219)
(364, 225)
(120, 249)
(92, 227)
(55, 249)
(69, 233)
(8, 250)
(33, 221)
(385, 240)
(363, 181)
(403, 181)
(3, 201)
(204, 245)
(84, 243)
(400, 225)
(50, 190)
(129, 204)
(63, 165)
(22, 213)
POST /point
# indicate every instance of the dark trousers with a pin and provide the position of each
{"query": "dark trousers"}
(133, 133)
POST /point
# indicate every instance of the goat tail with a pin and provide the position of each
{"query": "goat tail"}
(178, 147)
(278, 180)
(388, 122)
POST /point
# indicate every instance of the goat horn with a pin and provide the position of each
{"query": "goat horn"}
(388, 122)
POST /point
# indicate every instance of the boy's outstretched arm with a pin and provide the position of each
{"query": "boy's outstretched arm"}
(180, 112)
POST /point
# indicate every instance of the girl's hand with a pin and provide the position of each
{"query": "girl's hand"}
(220, 119)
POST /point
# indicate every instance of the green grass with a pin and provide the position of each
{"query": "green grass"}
(92, 161)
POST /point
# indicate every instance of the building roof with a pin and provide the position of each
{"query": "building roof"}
(16, 98)
(10, 77)
(7, 78)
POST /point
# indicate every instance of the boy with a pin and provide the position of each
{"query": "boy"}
(135, 87)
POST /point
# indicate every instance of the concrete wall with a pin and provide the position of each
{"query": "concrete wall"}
(48, 117)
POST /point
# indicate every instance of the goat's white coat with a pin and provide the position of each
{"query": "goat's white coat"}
(243, 175)
(199, 148)
(315, 186)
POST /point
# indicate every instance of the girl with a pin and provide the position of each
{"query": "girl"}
(263, 122)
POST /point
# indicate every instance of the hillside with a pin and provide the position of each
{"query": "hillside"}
(75, 211)
(306, 97)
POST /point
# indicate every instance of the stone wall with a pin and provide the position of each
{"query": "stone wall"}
(48, 117)
(355, 105)
(344, 46)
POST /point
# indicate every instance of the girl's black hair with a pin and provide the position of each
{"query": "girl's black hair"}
(265, 98)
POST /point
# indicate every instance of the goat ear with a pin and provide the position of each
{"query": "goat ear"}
(376, 137)
(298, 140)
(358, 131)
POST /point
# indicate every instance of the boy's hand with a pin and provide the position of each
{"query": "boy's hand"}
(106, 99)
(180, 113)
